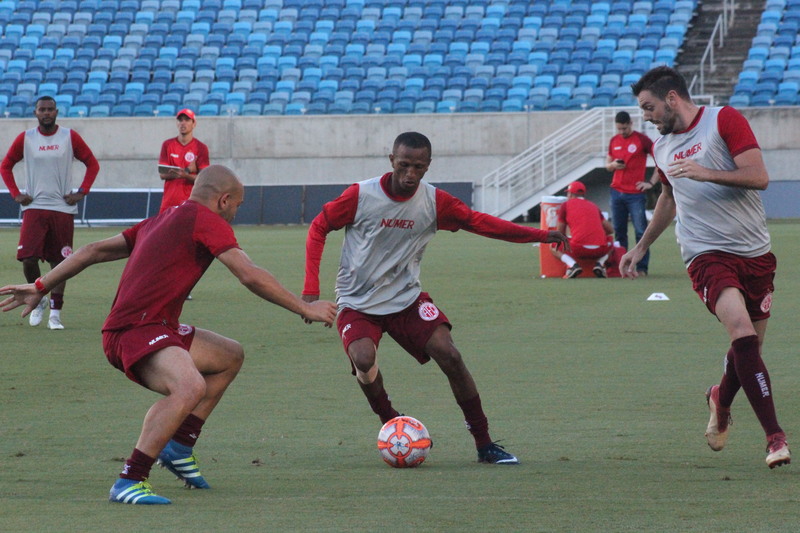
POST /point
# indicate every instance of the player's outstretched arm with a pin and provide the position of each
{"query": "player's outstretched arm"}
(29, 294)
(260, 282)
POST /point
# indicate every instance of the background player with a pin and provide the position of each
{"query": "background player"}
(188, 154)
(388, 221)
(142, 336)
(627, 159)
(711, 169)
(589, 232)
(48, 204)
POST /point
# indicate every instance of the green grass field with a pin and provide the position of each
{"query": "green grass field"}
(598, 391)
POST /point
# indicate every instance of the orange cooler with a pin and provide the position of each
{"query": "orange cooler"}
(549, 266)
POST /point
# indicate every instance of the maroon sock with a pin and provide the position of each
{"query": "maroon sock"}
(138, 466)
(56, 301)
(379, 399)
(476, 421)
(189, 431)
(753, 376)
(729, 384)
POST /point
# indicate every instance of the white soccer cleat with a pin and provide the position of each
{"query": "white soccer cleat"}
(35, 318)
(778, 453)
(719, 421)
(55, 323)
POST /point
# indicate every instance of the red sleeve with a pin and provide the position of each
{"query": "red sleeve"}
(214, 232)
(334, 216)
(736, 131)
(15, 154)
(203, 159)
(163, 159)
(562, 213)
(647, 143)
(452, 214)
(130, 234)
(84, 154)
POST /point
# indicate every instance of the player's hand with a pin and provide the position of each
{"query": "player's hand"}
(627, 265)
(686, 168)
(24, 199)
(561, 240)
(73, 198)
(320, 311)
(27, 295)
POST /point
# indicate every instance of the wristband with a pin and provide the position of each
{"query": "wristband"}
(40, 286)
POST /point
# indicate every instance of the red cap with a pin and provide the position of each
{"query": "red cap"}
(576, 187)
(188, 112)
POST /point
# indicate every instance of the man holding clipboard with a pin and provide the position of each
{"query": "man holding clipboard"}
(182, 158)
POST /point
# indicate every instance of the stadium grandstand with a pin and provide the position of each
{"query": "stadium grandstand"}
(102, 58)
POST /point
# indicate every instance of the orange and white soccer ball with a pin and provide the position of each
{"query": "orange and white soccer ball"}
(404, 442)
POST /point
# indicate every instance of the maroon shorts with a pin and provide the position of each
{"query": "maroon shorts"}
(715, 271)
(126, 347)
(411, 328)
(46, 235)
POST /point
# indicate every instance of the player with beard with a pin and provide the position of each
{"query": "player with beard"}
(711, 170)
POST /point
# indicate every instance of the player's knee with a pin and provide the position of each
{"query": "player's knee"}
(237, 355)
(449, 359)
(192, 389)
(368, 376)
(363, 354)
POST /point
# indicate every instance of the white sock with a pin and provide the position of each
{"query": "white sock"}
(55, 313)
(603, 259)
(567, 260)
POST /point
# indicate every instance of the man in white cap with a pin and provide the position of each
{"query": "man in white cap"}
(590, 233)
(182, 158)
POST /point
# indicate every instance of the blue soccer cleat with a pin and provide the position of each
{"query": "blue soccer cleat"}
(135, 492)
(180, 460)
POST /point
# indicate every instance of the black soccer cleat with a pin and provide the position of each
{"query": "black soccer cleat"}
(496, 455)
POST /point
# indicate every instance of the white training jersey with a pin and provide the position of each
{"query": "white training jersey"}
(712, 216)
(48, 169)
(386, 282)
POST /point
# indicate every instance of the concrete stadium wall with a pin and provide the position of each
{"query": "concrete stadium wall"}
(336, 149)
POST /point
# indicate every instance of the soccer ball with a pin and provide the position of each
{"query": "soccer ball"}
(404, 442)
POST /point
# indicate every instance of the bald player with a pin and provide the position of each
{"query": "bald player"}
(142, 336)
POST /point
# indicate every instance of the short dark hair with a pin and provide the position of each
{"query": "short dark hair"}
(623, 117)
(45, 99)
(412, 139)
(660, 81)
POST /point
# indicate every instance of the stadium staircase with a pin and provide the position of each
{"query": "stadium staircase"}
(548, 166)
(729, 57)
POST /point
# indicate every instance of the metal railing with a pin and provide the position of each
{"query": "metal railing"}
(720, 31)
(514, 185)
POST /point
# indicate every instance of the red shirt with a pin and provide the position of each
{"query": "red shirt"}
(177, 155)
(169, 254)
(633, 151)
(585, 222)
